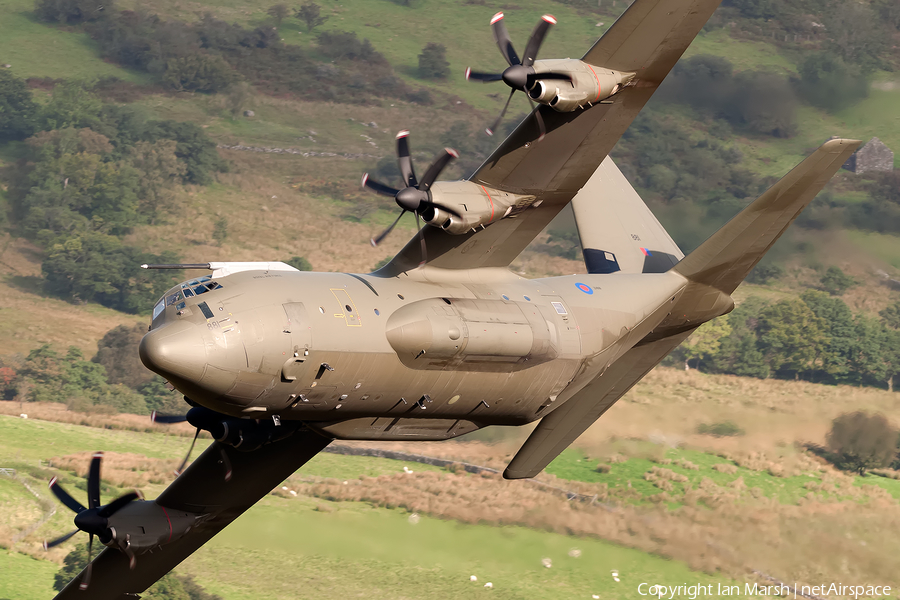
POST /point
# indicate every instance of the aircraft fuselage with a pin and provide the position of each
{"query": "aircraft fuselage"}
(366, 357)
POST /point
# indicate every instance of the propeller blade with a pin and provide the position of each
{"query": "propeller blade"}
(537, 38)
(59, 540)
(563, 76)
(155, 417)
(483, 77)
(539, 117)
(421, 241)
(226, 463)
(118, 504)
(64, 497)
(186, 458)
(501, 36)
(490, 130)
(86, 581)
(93, 482)
(379, 188)
(439, 164)
(406, 168)
(384, 234)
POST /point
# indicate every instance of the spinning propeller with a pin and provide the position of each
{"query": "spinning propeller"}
(520, 74)
(415, 197)
(155, 417)
(93, 520)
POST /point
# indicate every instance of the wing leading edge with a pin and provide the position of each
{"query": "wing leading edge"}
(201, 489)
(556, 167)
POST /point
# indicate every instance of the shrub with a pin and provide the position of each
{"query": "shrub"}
(71, 11)
(199, 73)
(603, 468)
(311, 14)
(299, 263)
(860, 441)
(836, 282)
(720, 429)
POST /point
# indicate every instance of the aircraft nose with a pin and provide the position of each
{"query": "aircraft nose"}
(175, 349)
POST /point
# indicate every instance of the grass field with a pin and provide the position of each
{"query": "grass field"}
(36, 50)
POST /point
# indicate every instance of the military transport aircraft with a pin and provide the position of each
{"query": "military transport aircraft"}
(445, 339)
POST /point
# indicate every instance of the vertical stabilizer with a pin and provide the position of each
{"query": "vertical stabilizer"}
(618, 232)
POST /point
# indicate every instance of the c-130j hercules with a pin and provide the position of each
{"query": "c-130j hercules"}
(445, 339)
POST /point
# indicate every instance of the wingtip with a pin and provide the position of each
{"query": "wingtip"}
(837, 145)
(496, 17)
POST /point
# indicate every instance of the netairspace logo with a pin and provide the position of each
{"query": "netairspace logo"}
(692, 592)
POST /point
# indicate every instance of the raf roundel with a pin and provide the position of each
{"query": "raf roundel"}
(585, 288)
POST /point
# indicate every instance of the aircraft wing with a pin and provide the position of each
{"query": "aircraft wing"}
(648, 39)
(201, 489)
(560, 428)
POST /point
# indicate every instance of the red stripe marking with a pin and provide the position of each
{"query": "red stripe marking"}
(496, 17)
(598, 82)
(52, 483)
(491, 200)
(169, 520)
(550, 19)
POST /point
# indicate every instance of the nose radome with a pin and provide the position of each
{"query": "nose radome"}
(175, 349)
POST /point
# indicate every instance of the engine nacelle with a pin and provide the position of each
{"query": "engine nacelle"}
(144, 525)
(589, 84)
(461, 206)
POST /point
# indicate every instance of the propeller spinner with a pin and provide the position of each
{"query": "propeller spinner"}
(416, 196)
(93, 520)
(520, 74)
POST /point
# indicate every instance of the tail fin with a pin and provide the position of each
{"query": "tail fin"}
(618, 232)
(726, 258)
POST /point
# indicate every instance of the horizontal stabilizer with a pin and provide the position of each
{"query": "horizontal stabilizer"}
(563, 426)
(726, 258)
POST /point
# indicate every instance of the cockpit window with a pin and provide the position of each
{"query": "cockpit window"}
(195, 287)
(160, 306)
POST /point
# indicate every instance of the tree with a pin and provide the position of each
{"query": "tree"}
(310, 13)
(891, 315)
(237, 98)
(159, 172)
(18, 112)
(71, 11)
(71, 105)
(706, 341)
(95, 267)
(194, 148)
(836, 282)
(790, 336)
(827, 82)
(857, 35)
(433, 62)
(279, 12)
(837, 324)
(117, 351)
(860, 441)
